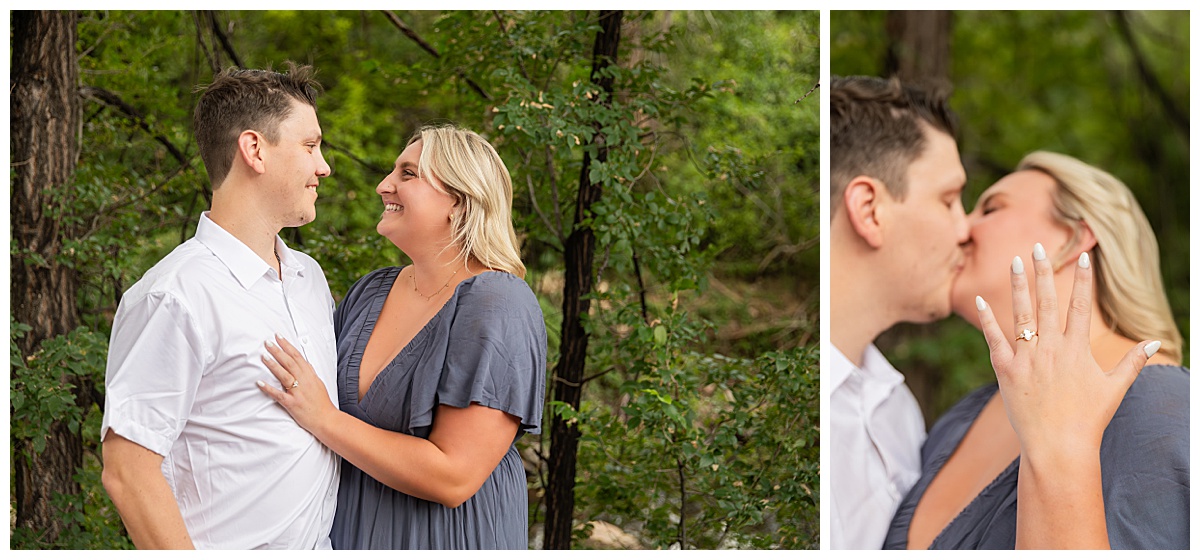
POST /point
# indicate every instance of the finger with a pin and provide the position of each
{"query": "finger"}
(283, 358)
(275, 394)
(1079, 312)
(999, 348)
(281, 374)
(1047, 295)
(1023, 318)
(289, 349)
(1134, 360)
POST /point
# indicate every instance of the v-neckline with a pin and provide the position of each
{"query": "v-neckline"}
(941, 463)
(364, 336)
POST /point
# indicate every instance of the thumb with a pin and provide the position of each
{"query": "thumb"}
(1131, 365)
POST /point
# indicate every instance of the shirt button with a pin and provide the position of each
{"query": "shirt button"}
(304, 340)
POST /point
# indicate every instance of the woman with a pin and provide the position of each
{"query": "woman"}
(441, 364)
(1073, 448)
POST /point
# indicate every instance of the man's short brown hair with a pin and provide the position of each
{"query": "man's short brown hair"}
(875, 129)
(239, 100)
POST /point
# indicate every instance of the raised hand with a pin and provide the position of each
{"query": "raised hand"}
(1059, 401)
(1056, 395)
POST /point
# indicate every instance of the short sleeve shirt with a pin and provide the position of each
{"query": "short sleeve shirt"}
(183, 363)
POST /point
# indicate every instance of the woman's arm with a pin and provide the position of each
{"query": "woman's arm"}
(1059, 402)
(464, 446)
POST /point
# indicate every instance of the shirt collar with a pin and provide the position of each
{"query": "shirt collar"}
(247, 267)
(875, 368)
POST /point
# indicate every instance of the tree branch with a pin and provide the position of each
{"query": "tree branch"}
(114, 101)
(225, 44)
(411, 34)
(1174, 114)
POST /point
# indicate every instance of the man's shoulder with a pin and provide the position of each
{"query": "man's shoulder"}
(186, 272)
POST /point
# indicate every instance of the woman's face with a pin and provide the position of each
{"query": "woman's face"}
(1010, 217)
(415, 214)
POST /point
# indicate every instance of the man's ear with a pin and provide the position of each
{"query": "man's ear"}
(250, 145)
(862, 198)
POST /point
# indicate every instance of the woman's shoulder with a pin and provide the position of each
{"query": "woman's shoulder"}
(1160, 392)
(493, 289)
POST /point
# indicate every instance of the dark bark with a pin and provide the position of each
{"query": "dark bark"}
(579, 255)
(44, 148)
(919, 45)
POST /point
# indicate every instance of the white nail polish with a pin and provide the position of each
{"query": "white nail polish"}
(1151, 348)
(1018, 267)
(979, 304)
(260, 383)
(1084, 261)
(1039, 252)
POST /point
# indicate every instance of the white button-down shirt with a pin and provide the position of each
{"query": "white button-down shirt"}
(875, 441)
(182, 366)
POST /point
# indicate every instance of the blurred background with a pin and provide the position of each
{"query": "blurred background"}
(1110, 88)
(664, 171)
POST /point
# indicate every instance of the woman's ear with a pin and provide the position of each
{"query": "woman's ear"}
(862, 198)
(1083, 241)
(250, 144)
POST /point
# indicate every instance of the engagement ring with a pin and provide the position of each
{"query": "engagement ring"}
(1026, 335)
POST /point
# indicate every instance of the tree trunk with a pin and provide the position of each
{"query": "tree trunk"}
(44, 148)
(579, 253)
(919, 45)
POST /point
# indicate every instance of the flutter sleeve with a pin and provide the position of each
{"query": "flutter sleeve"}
(497, 351)
(1145, 464)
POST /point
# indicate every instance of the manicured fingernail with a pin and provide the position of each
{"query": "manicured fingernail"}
(267, 357)
(260, 383)
(1151, 348)
(1018, 267)
(1084, 261)
(269, 344)
(979, 303)
(1039, 252)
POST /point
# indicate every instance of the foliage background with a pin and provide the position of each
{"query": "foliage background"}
(1061, 81)
(715, 373)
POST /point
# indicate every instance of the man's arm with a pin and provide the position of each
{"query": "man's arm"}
(133, 479)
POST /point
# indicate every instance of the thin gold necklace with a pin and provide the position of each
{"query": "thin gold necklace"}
(431, 296)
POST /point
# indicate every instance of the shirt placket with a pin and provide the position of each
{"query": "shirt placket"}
(300, 337)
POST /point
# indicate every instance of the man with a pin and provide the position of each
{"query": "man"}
(195, 455)
(897, 223)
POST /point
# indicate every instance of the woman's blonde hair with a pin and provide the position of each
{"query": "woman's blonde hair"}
(462, 164)
(1129, 284)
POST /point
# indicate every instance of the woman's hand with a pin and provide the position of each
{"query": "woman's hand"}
(1056, 396)
(303, 393)
(1059, 401)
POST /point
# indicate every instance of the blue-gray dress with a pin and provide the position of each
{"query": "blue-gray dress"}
(1144, 465)
(487, 345)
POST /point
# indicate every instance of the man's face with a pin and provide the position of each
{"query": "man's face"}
(295, 165)
(924, 232)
